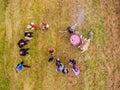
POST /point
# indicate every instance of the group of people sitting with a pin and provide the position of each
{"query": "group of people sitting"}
(85, 42)
(44, 26)
(28, 36)
(23, 42)
(60, 67)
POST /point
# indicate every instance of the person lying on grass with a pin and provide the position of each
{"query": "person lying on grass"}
(84, 45)
(85, 42)
(21, 43)
(44, 26)
(61, 67)
(20, 66)
(72, 28)
(32, 26)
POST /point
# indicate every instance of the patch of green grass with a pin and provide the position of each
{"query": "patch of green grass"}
(4, 83)
(4, 80)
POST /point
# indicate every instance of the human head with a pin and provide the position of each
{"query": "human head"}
(21, 52)
(22, 43)
(22, 62)
(51, 50)
(58, 59)
(28, 34)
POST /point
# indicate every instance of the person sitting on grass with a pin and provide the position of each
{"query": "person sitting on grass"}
(61, 67)
(21, 43)
(32, 26)
(23, 51)
(20, 66)
(75, 69)
(44, 26)
(28, 35)
(51, 51)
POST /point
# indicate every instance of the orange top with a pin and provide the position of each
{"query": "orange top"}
(51, 50)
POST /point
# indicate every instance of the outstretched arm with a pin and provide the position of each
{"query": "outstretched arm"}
(27, 66)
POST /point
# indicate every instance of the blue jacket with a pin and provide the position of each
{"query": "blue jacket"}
(19, 67)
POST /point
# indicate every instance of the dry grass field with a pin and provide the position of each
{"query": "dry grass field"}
(100, 65)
